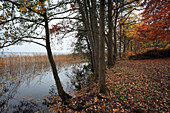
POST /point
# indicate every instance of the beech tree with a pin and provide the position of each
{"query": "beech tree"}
(90, 21)
(110, 33)
(155, 21)
(102, 87)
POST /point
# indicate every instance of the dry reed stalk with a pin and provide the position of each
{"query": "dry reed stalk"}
(20, 65)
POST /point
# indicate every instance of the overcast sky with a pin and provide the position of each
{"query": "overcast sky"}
(30, 47)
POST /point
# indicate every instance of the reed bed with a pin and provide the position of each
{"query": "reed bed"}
(19, 65)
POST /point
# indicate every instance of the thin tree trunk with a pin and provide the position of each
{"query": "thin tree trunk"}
(128, 45)
(131, 47)
(115, 40)
(135, 48)
(64, 96)
(90, 36)
(91, 58)
(110, 27)
(106, 41)
(124, 43)
(102, 87)
(120, 43)
(85, 18)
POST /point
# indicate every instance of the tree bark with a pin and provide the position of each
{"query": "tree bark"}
(110, 27)
(95, 32)
(64, 96)
(115, 40)
(121, 24)
(115, 27)
(124, 45)
(120, 43)
(90, 52)
(102, 87)
(86, 22)
(131, 47)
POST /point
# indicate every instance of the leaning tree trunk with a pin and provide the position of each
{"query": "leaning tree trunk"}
(85, 18)
(64, 96)
(90, 52)
(102, 86)
(90, 36)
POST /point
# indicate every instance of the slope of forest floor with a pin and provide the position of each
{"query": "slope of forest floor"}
(135, 86)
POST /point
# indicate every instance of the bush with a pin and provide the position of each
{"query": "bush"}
(151, 54)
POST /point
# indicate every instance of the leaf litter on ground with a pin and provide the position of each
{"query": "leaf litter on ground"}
(134, 85)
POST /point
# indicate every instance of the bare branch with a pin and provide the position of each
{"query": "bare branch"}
(35, 21)
(34, 42)
(7, 21)
(65, 18)
(33, 37)
(59, 4)
(10, 43)
(62, 12)
(127, 4)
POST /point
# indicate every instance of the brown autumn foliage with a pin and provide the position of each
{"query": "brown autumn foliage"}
(155, 21)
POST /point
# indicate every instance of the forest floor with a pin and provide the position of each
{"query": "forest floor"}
(135, 86)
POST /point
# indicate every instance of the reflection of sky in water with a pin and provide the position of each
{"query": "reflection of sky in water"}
(37, 86)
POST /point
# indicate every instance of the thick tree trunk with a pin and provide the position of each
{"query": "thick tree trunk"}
(95, 32)
(110, 27)
(102, 87)
(64, 96)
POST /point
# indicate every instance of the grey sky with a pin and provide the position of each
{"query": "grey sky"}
(31, 47)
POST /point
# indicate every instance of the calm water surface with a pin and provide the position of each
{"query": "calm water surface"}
(15, 95)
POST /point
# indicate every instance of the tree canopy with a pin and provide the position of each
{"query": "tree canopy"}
(155, 22)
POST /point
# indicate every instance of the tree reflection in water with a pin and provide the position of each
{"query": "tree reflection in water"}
(80, 75)
(11, 97)
(14, 89)
(26, 107)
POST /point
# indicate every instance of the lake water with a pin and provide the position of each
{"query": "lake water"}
(15, 95)
(30, 53)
